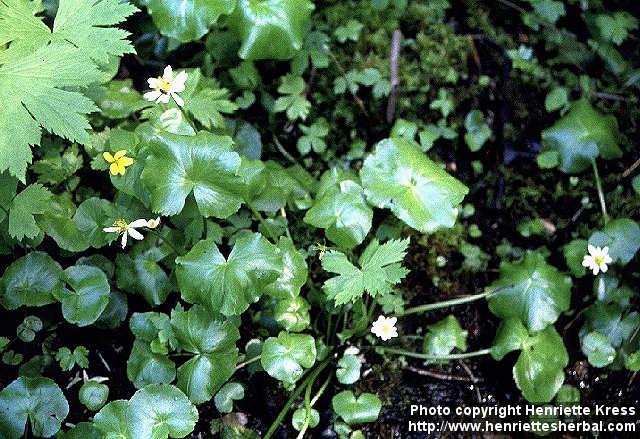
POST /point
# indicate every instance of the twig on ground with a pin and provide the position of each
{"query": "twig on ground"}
(439, 375)
(394, 57)
(631, 168)
(474, 380)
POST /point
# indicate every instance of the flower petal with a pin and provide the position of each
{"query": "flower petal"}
(178, 99)
(167, 75)
(152, 95)
(120, 153)
(135, 234)
(124, 240)
(163, 98)
(138, 223)
(126, 161)
(110, 229)
(108, 157)
(114, 168)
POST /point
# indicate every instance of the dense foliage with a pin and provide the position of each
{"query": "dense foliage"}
(196, 193)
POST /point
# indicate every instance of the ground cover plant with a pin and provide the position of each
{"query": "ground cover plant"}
(286, 218)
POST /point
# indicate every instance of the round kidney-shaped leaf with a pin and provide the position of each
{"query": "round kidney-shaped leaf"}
(300, 415)
(538, 373)
(161, 410)
(226, 395)
(228, 285)
(187, 20)
(348, 371)
(204, 164)
(294, 272)
(38, 400)
(581, 135)
(286, 356)
(260, 23)
(622, 236)
(352, 410)
(88, 296)
(293, 314)
(444, 336)
(93, 395)
(30, 281)
(212, 340)
(400, 177)
(530, 290)
(598, 349)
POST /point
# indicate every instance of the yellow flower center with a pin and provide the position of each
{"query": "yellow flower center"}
(163, 85)
(598, 259)
(386, 329)
(121, 224)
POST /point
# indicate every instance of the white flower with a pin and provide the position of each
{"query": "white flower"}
(166, 86)
(385, 327)
(121, 227)
(597, 259)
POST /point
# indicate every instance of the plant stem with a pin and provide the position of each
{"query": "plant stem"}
(436, 357)
(603, 206)
(166, 241)
(307, 404)
(246, 363)
(260, 218)
(293, 397)
(452, 302)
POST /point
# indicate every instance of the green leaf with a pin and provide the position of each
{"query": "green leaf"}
(117, 99)
(380, 270)
(259, 23)
(205, 164)
(348, 371)
(557, 98)
(88, 296)
(35, 75)
(398, 176)
(164, 410)
(294, 101)
(93, 395)
(581, 135)
(226, 395)
(622, 236)
(574, 253)
(38, 400)
(616, 27)
(213, 343)
(293, 314)
(444, 336)
(146, 367)
(187, 20)
(285, 357)
(33, 200)
(31, 280)
(142, 274)
(158, 411)
(598, 349)
(611, 321)
(209, 105)
(68, 359)
(530, 290)
(342, 210)
(349, 31)
(365, 408)
(478, 132)
(91, 217)
(538, 372)
(549, 10)
(229, 285)
(300, 415)
(294, 272)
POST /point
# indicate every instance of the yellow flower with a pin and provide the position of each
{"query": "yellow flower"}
(119, 161)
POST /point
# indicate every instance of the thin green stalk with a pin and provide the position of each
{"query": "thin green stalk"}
(435, 357)
(260, 218)
(248, 362)
(452, 302)
(293, 397)
(307, 404)
(603, 205)
(166, 241)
